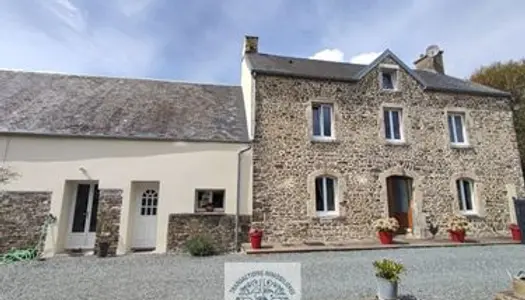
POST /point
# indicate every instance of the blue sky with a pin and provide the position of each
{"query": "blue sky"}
(201, 40)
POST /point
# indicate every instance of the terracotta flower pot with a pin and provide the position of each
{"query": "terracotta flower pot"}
(515, 231)
(457, 236)
(256, 239)
(385, 237)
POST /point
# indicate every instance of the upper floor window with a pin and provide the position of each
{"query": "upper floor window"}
(325, 202)
(465, 189)
(388, 79)
(456, 128)
(393, 124)
(322, 120)
(209, 200)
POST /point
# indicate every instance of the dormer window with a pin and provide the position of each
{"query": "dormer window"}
(388, 79)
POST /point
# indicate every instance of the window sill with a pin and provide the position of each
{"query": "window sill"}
(327, 218)
(396, 143)
(390, 91)
(470, 214)
(460, 146)
(323, 140)
(209, 213)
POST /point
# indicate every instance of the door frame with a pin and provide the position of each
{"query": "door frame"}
(89, 208)
(139, 189)
(391, 198)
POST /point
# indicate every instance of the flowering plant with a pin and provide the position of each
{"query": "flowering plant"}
(255, 231)
(386, 224)
(458, 223)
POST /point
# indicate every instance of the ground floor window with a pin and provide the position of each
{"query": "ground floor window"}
(325, 201)
(465, 190)
(209, 200)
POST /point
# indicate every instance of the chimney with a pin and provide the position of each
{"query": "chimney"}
(251, 44)
(432, 60)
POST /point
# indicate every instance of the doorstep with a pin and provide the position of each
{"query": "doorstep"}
(358, 245)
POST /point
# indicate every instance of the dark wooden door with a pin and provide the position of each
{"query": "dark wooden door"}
(519, 205)
(399, 190)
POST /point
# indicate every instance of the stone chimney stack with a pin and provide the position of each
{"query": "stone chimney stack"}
(251, 44)
(432, 60)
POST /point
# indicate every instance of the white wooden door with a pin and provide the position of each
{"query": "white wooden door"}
(83, 217)
(145, 221)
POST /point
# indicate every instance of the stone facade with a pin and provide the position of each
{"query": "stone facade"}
(108, 218)
(286, 159)
(220, 228)
(23, 214)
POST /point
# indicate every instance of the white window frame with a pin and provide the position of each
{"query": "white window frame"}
(462, 197)
(320, 106)
(210, 200)
(393, 71)
(325, 212)
(454, 129)
(391, 122)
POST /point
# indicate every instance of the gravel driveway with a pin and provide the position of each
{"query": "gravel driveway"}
(434, 273)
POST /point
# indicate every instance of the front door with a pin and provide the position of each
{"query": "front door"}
(83, 220)
(399, 200)
(145, 221)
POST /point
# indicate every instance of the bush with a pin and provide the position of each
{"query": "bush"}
(200, 246)
(388, 269)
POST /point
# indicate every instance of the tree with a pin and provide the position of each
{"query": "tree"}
(508, 76)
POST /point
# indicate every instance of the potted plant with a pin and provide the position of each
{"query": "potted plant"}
(515, 232)
(387, 276)
(255, 237)
(386, 228)
(458, 227)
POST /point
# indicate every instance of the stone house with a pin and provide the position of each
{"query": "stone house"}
(338, 145)
(310, 150)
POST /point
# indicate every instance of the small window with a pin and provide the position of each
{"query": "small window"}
(456, 128)
(465, 189)
(392, 122)
(322, 120)
(325, 202)
(149, 203)
(389, 79)
(210, 201)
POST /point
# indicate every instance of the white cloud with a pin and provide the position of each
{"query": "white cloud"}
(338, 56)
(364, 58)
(330, 55)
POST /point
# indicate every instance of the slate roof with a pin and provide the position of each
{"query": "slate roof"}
(71, 105)
(319, 69)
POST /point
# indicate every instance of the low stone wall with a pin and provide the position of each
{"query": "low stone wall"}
(22, 215)
(108, 216)
(219, 227)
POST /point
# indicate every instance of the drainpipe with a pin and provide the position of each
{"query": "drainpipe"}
(236, 238)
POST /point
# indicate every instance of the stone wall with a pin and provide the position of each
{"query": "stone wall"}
(22, 215)
(220, 228)
(108, 218)
(285, 157)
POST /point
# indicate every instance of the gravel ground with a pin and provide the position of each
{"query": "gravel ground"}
(433, 273)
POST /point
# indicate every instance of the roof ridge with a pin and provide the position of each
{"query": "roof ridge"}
(108, 77)
(309, 59)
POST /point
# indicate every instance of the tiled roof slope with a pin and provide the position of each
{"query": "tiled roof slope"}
(310, 68)
(56, 104)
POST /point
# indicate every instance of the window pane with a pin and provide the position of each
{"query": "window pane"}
(467, 192)
(330, 199)
(154, 211)
(218, 199)
(319, 203)
(459, 129)
(451, 129)
(94, 209)
(155, 201)
(460, 194)
(148, 211)
(316, 121)
(387, 81)
(395, 120)
(327, 120)
(386, 117)
(143, 201)
(150, 201)
(142, 211)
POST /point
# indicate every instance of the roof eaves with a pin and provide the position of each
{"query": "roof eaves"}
(468, 92)
(124, 138)
(304, 76)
